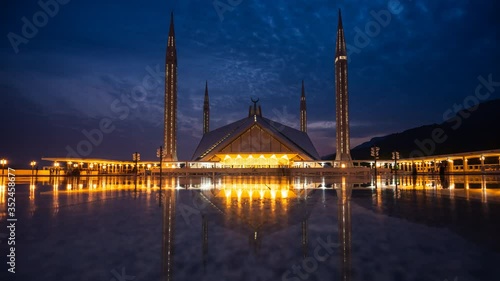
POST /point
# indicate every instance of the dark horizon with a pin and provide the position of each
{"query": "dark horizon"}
(75, 72)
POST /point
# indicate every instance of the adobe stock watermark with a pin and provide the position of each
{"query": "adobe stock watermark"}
(309, 265)
(455, 116)
(121, 107)
(222, 6)
(30, 28)
(200, 202)
(379, 20)
(121, 277)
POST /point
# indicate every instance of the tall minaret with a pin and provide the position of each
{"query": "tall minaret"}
(206, 111)
(170, 126)
(341, 100)
(303, 112)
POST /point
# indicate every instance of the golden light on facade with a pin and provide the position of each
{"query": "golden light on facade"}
(56, 164)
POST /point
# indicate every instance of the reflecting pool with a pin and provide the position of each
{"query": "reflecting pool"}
(255, 228)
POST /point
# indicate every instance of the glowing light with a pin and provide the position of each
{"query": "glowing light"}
(284, 193)
(273, 194)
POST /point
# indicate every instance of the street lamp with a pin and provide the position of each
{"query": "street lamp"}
(395, 157)
(136, 157)
(374, 152)
(3, 162)
(33, 163)
(56, 165)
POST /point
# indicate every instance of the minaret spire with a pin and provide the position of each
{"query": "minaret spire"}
(303, 110)
(206, 111)
(170, 116)
(341, 99)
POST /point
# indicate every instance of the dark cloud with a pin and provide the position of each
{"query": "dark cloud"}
(91, 53)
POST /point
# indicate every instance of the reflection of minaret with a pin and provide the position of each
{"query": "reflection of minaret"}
(344, 226)
(303, 112)
(206, 111)
(341, 100)
(204, 231)
(255, 240)
(170, 125)
(304, 238)
(168, 233)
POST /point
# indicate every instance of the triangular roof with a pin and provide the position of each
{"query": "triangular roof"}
(216, 140)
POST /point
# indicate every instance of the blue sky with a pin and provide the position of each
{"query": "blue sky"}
(90, 53)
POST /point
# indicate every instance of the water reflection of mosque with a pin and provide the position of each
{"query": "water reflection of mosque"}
(258, 210)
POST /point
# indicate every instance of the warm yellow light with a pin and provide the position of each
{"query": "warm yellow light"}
(273, 194)
(284, 193)
(33, 163)
(56, 164)
(343, 165)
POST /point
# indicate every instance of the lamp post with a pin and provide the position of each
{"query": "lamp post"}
(33, 163)
(482, 158)
(395, 157)
(136, 157)
(3, 162)
(56, 165)
(374, 152)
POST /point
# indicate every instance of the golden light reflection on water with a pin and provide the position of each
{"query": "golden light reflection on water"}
(243, 192)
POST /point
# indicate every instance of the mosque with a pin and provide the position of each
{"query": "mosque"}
(256, 141)
(251, 142)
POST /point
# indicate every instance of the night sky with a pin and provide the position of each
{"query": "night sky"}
(90, 55)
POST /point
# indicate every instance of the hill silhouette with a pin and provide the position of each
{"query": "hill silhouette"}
(472, 129)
